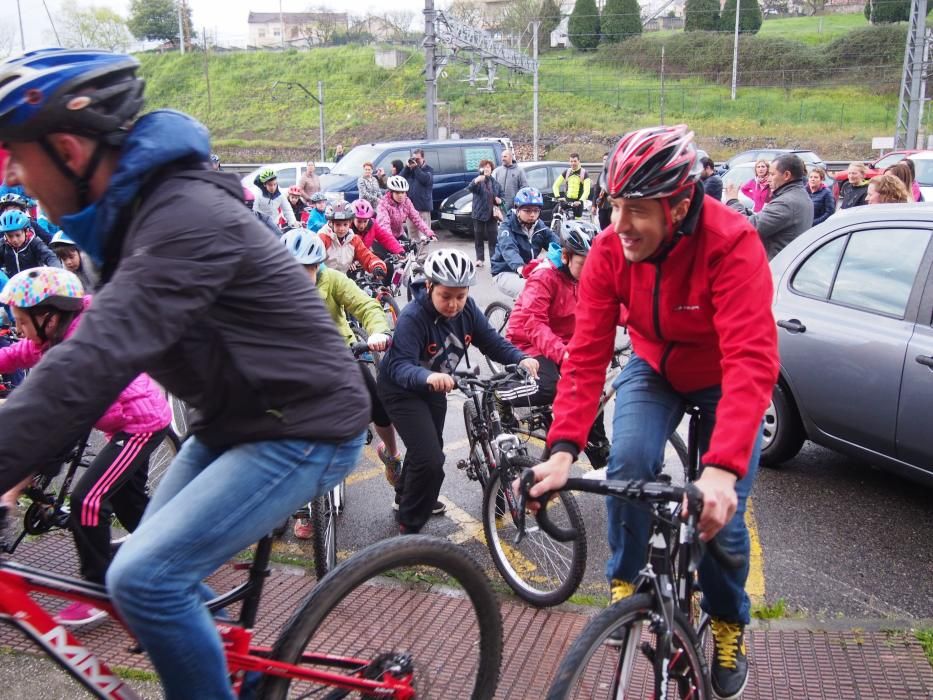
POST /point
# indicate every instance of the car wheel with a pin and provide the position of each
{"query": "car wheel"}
(783, 431)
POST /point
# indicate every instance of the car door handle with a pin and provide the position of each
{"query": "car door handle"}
(793, 325)
(925, 360)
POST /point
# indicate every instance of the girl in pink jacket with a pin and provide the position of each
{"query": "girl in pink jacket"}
(395, 208)
(47, 305)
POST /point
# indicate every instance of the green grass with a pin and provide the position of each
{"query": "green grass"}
(773, 611)
(925, 637)
(586, 101)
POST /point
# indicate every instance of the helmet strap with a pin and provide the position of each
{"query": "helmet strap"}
(41, 327)
(81, 182)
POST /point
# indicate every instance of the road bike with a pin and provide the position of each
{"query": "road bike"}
(370, 628)
(541, 570)
(654, 640)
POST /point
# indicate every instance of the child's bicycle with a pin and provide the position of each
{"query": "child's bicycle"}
(376, 626)
(377, 289)
(653, 642)
(406, 264)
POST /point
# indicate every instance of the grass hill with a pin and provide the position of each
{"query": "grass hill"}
(828, 83)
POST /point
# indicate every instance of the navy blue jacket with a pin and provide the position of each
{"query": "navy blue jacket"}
(425, 342)
(420, 186)
(34, 253)
(515, 248)
(824, 205)
(483, 195)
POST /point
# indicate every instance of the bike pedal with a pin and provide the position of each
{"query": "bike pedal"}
(462, 464)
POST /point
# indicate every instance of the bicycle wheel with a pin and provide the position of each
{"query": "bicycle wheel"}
(680, 448)
(594, 669)
(390, 306)
(539, 569)
(431, 601)
(324, 534)
(160, 459)
(479, 470)
(497, 313)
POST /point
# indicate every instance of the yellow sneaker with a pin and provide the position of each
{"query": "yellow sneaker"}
(729, 673)
(620, 589)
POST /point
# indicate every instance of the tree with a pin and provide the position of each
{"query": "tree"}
(400, 22)
(749, 17)
(583, 27)
(324, 28)
(157, 20)
(702, 16)
(470, 12)
(550, 17)
(620, 20)
(92, 28)
(887, 11)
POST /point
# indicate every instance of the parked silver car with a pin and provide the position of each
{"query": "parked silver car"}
(854, 309)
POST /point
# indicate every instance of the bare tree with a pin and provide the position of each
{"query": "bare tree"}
(401, 22)
(471, 12)
(322, 27)
(811, 7)
(92, 28)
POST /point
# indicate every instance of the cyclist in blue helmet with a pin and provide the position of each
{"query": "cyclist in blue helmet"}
(522, 237)
(22, 249)
(192, 293)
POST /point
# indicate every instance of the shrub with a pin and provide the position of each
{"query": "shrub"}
(620, 20)
(583, 26)
(701, 16)
(749, 17)
(887, 11)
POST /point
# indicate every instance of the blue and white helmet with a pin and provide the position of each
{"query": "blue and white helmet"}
(307, 247)
(450, 268)
(61, 239)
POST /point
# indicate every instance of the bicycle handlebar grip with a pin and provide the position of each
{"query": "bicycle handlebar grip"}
(359, 348)
(541, 516)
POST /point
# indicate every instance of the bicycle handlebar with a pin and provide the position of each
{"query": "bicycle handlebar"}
(362, 347)
(647, 491)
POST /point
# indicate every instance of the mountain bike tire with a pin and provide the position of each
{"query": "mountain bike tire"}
(323, 515)
(396, 581)
(497, 313)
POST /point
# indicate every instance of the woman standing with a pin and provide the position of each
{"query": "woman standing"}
(904, 172)
(368, 185)
(758, 189)
(487, 196)
(886, 189)
(853, 192)
(824, 205)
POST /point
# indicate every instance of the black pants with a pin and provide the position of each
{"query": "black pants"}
(382, 254)
(378, 414)
(604, 214)
(487, 231)
(419, 421)
(113, 484)
(597, 447)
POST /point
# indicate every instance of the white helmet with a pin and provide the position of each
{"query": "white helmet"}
(307, 247)
(397, 183)
(450, 268)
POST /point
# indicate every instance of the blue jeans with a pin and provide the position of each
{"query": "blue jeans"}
(211, 505)
(647, 411)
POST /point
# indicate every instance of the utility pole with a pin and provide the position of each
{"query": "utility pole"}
(282, 26)
(22, 37)
(735, 50)
(320, 113)
(910, 106)
(430, 69)
(181, 31)
(534, 122)
(662, 84)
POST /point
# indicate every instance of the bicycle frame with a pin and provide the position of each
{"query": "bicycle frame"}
(18, 609)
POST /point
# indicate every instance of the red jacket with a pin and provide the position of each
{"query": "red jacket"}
(376, 234)
(342, 254)
(701, 318)
(542, 321)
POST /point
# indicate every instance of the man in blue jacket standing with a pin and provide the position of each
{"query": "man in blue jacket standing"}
(420, 178)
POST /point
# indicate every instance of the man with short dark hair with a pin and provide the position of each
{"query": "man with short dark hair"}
(790, 211)
(574, 183)
(420, 178)
(712, 183)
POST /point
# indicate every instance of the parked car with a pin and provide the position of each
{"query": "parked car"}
(455, 211)
(288, 174)
(738, 176)
(455, 163)
(923, 164)
(854, 306)
(769, 154)
(878, 166)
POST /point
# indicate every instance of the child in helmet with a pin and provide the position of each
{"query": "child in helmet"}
(73, 260)
(522, 237)
(341, 297)
(432, 335)
(271, 201)
(296, 200)
(345, 249)
(543, 319)
(47, 304)
(376, 238)
(41, 226)
(395, 208)
(316, 215)
(22, 249)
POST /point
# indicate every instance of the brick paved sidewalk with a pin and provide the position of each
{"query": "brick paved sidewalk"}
(784, 663)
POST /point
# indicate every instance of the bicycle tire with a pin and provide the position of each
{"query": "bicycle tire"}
(324, 534)
(160, 459)
(497, 313)
(590, 668)
(541, 570)
(390, 307)
(477, 457)
(341, 593)
(680, 448)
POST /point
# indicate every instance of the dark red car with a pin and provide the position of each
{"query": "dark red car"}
(880, 165)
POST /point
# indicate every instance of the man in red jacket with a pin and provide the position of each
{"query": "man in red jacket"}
(695, 283)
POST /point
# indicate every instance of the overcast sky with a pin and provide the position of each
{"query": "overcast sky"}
(226, 18)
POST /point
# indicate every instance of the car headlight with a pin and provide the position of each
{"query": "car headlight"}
(466, 208)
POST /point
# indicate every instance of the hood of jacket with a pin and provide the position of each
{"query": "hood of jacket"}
(157, 139)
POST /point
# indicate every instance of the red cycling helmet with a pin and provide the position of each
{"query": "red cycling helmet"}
(363, 209)
(654, 163)
(297, 191)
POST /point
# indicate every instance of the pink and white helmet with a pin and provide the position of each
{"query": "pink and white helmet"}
(363, 209)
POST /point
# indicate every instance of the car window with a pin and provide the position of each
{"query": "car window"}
(878, 269)
(386, 161)
(472, 155)
(450, 160)
(815, 277)
(808, 156)
(286, 177)
(538, 178)
(888, 160)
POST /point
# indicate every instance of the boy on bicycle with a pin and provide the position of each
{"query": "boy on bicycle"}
(522, 237)
(345, 250)
(433, 335)
(695, 282)
(198, 294)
